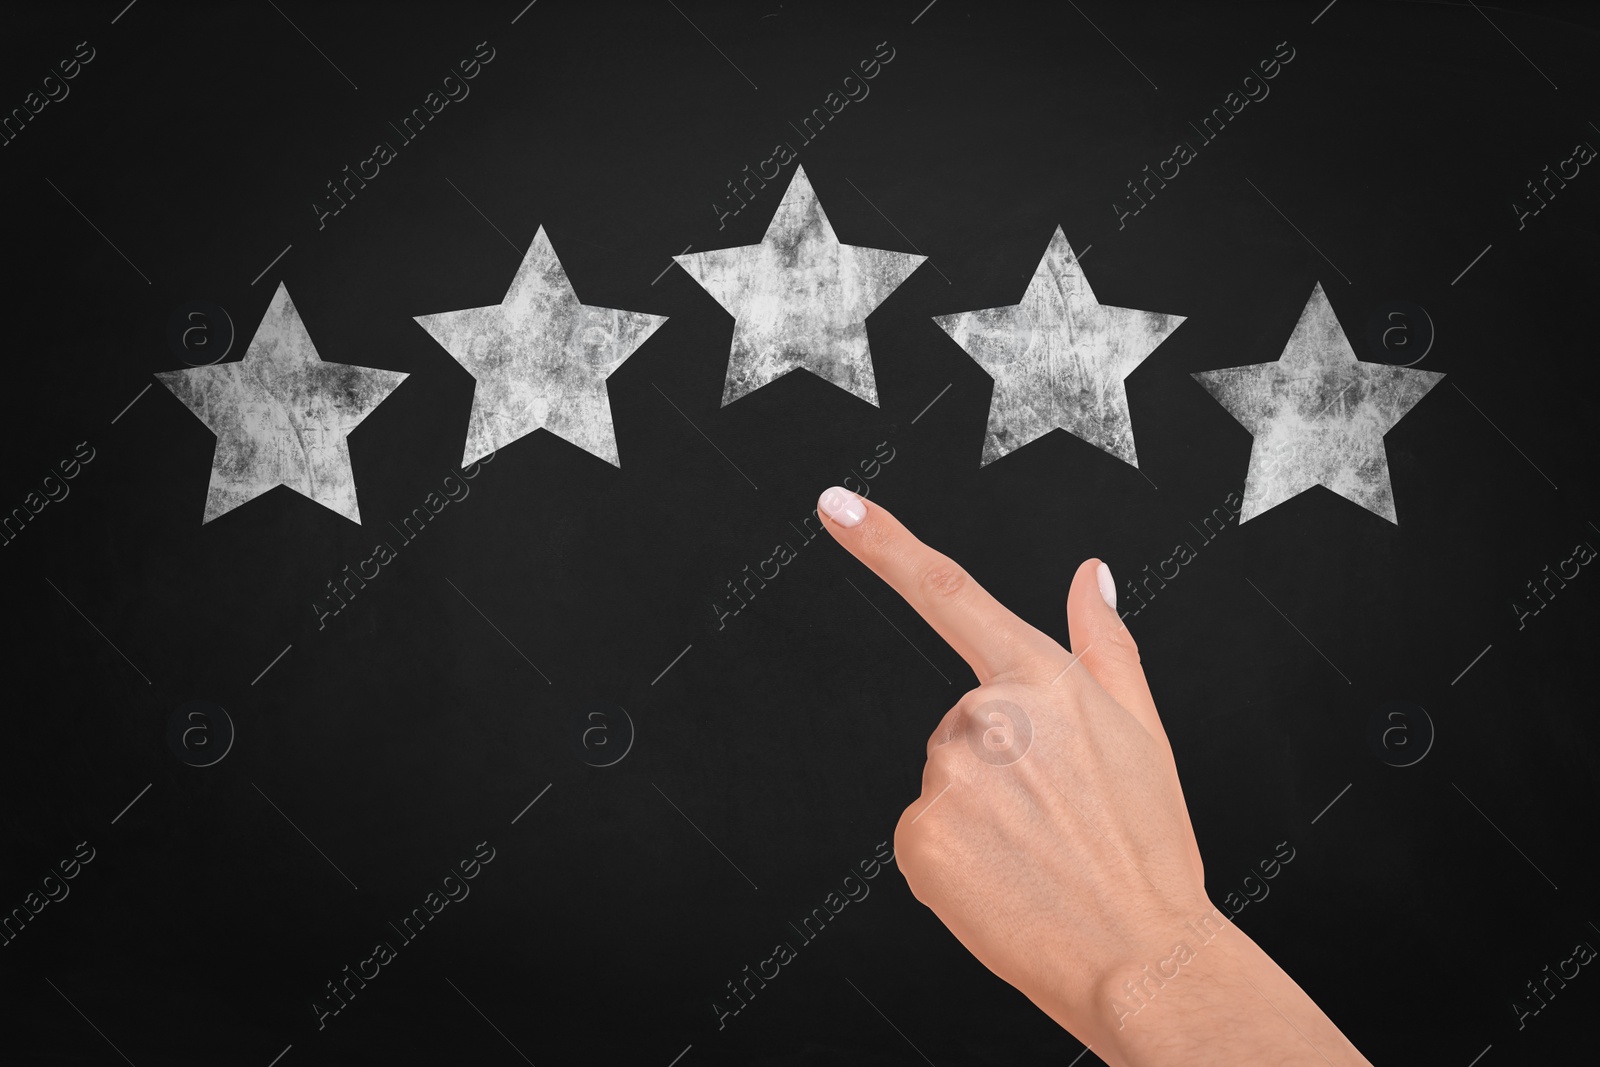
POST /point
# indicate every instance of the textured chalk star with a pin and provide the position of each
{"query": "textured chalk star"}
(1318, 415)
(1058, 358)
(281, 415)
(541, 358)
(800, 299)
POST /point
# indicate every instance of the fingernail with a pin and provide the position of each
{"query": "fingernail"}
(1108, 588)
(843, 506)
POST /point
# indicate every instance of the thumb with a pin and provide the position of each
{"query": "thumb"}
(1102, 643)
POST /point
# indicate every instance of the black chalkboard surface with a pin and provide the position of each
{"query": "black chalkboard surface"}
(540, 755)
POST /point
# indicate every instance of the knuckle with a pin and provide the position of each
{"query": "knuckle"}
(910, 838)
(916, 840)
(907, 847)
(955, 720)
(1131, 646)
(1122, 637)
(942, 579)
(973, 717)
(944, 761)
(1000, 729)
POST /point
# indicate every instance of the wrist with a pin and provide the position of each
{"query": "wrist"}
(1216, 997)
(1148, 999)
(1136, 991)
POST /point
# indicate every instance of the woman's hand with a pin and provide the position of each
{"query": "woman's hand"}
(1052, 837)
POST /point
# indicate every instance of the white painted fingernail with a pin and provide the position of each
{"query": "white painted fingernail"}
(1108, 588)
(843, 506)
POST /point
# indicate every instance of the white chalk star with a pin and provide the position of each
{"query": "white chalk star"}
(541, 359)
(1318, 415)
(281, 415)
(800, 299)
(1058, 358)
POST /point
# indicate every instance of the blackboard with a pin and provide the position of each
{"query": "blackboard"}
(548, 685)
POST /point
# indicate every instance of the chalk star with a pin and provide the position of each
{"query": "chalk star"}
(800, 299)
(1058, 358)
(541, 358)
(281, 415)
(1318, 415)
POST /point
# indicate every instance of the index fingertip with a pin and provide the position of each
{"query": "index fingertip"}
(842, 506)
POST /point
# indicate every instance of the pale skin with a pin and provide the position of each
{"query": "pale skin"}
(1065, 860)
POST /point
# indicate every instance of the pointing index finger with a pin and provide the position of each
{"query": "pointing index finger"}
(981, 630)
